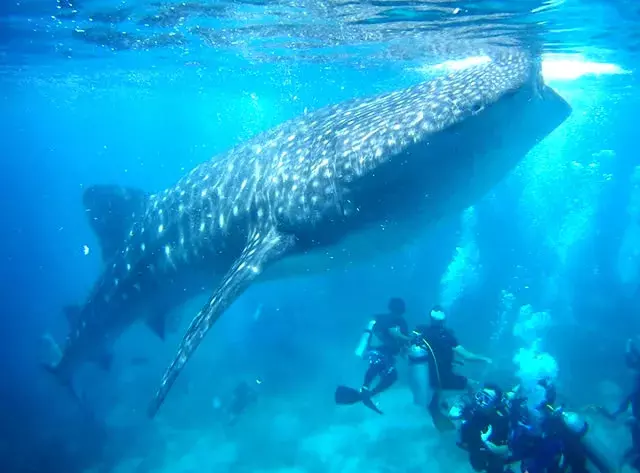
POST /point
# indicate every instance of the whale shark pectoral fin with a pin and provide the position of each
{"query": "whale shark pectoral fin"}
(112, 210)
(260, 250)
(158, 324)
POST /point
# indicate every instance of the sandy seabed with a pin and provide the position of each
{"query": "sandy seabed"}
(296, 437)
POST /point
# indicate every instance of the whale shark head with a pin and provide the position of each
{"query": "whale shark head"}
(483, 121)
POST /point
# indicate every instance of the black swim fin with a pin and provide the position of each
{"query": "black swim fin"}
(366, 400)
(347, 396)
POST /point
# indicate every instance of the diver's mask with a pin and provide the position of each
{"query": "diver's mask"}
(485, 398)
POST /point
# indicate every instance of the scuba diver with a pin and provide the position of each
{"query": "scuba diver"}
(391, 329)
(546, 439)
(431, 359)
(478, 411)
(242, 396)
(631, 400)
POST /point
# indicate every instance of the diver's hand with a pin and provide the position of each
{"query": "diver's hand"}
(487, 360)
(486, 434)
(416, 338)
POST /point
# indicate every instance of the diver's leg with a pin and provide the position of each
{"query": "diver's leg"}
(375, 369)
(387, 379)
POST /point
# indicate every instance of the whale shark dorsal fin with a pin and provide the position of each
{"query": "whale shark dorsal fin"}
(112, 210)
(261, 249)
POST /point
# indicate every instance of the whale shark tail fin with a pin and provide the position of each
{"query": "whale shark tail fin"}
(112, 210)
(51, 363)
(261, 249)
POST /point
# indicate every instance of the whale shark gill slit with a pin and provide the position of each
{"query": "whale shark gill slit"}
(261, 249)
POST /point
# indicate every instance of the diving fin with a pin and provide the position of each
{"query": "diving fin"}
(347, 396)
(261, 249)
(367, 401)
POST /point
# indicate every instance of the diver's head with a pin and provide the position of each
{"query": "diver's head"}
(437, 315)
(397, 306)
(488, 397)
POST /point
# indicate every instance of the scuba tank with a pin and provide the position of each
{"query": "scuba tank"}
(418, 352)
(590, 447)
(576, 432)
(365, 338)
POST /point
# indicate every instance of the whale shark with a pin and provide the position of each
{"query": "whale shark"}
(328, 189)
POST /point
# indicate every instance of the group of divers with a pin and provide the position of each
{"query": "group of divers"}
(498, 428)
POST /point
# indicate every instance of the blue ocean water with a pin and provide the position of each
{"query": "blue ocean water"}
(540, 274)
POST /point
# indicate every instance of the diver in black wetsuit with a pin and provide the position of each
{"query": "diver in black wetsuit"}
(631, 400)
(437, 346)
(543, 438)
(391, 329)
(487, 407)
